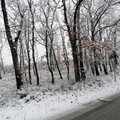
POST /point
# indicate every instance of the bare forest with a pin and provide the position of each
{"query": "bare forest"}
(80, 39)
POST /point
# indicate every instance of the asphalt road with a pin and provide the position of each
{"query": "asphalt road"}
(108, 111)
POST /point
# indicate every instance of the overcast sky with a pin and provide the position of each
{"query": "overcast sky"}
(7, 55)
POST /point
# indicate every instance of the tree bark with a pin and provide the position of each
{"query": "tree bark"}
(47, 57)
(72, 37)
(57, 65)
(82, 70)
(76, 63)
(13, 46)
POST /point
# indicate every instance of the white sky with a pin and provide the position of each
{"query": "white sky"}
(7, 59)
(6, 54)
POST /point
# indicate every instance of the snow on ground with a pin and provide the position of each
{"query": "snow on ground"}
(48, 101)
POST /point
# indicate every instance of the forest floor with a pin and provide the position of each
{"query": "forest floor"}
(47, 101)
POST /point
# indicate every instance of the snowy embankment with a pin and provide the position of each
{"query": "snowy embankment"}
(48, 102)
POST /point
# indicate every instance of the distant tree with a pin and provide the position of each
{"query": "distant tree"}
(32, 12)
(65, 54)
(28, 44)
(96, 18)
(1, 49)
(47, 34)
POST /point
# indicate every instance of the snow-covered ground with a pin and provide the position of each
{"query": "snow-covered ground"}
(47, 101)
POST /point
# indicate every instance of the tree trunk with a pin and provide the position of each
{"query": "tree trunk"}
(16, 67)
(65, 55)
(76, 64)
(72, 37)
(13, 46)
(104, 68)
(22, 61)
(57, 65)
(33, 50)
(110, 66)
(82, 70)
(47, 57)
(28, 51)
(96, 68)
(32, 11)
(92, 68)
(100, 68)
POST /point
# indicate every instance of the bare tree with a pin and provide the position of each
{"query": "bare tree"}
(13, 43)
(97, 13)
(47, 33)
(27, 43)
(32, 11)
(72, 34)
(65, 54)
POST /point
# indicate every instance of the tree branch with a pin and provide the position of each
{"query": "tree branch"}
(108, 26)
